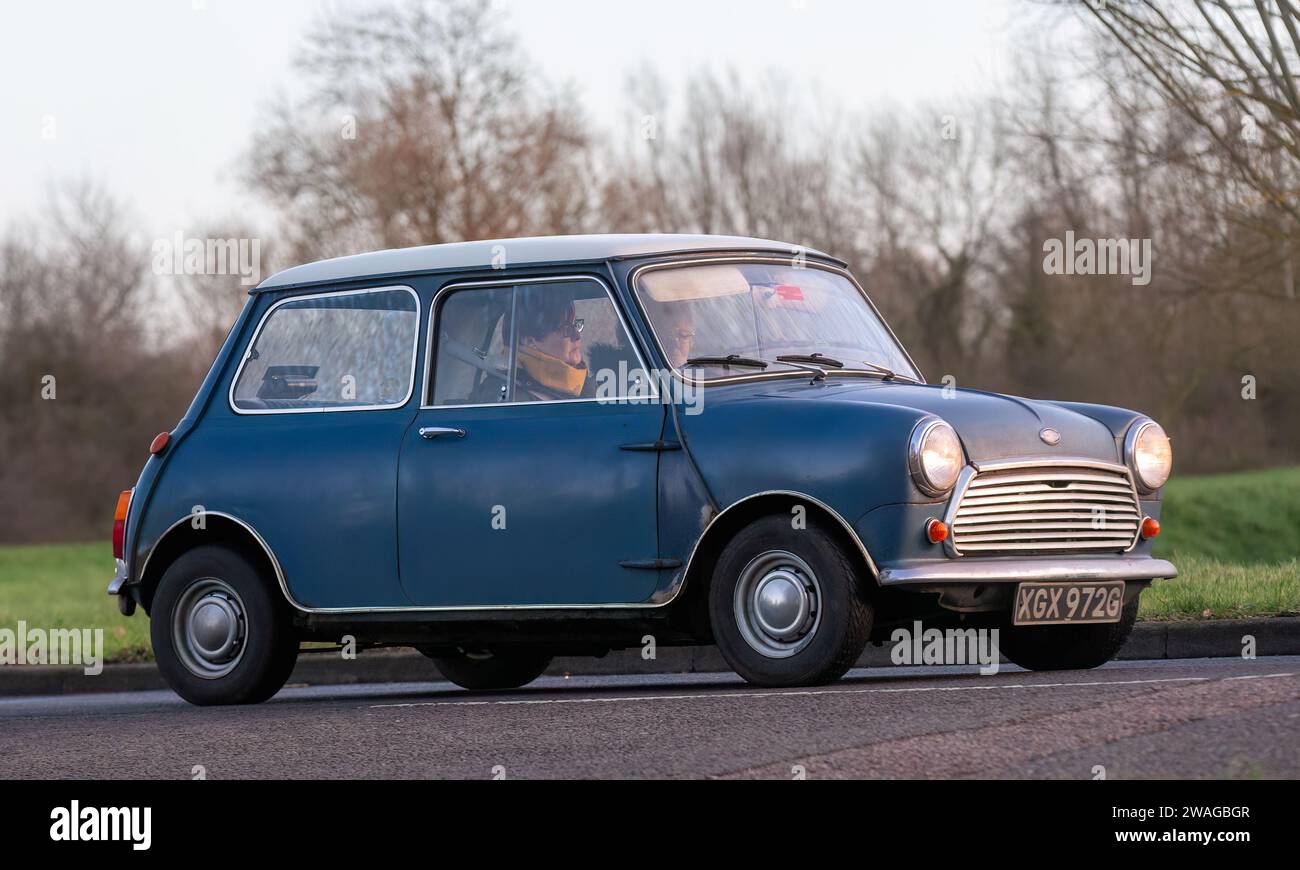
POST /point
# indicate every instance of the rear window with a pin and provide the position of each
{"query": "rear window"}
(342, 351)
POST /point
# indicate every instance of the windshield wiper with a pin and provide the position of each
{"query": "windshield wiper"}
(732, 359)
(889, 374)
(817, 359)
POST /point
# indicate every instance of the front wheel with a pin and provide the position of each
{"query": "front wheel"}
(1067, 647)
(486, 670)
(787, 606)
(220, 635)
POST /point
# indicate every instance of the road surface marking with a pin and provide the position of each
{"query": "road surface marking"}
(802, 693)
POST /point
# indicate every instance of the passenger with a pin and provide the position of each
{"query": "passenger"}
(678, 331)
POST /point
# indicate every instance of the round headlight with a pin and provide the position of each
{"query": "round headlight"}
(1149, 455)
(936, 456)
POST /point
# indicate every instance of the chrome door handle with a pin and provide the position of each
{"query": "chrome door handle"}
(431, 432)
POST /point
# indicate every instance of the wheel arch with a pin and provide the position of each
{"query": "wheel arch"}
(220, 529)
(736, 516)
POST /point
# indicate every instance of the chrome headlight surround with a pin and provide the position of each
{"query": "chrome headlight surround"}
(927, 478)
(1136, 450)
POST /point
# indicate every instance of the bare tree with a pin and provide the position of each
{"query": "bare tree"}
(1229, 67)
(725, 157)
(423, 123)
(932, 193)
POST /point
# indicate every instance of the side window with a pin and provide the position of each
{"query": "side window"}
(337, 351)
(532, 343)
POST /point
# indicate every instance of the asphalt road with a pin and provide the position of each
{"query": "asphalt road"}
(1191, 718)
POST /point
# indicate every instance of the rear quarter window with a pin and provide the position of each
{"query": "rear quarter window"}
(338, 351)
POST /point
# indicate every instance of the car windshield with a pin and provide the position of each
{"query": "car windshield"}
(703, 314)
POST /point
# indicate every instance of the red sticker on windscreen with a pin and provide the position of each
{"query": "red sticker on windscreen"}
(789, 292)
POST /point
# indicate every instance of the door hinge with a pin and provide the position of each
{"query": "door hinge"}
(652, 446)
(651, 564)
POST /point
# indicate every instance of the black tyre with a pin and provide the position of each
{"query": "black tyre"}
(221, 632)
(484, 670)
(1067, 647)
(787, 605)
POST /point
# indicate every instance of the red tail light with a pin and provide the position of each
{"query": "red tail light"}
(160, 443)
(119, 523)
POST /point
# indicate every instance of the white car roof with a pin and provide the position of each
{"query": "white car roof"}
(520, 252)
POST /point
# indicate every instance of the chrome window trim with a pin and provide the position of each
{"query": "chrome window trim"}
(252, 342)
(974, 468)
(790, 261)
(430, 343)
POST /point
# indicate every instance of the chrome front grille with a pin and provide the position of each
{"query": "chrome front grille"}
(1083, 508)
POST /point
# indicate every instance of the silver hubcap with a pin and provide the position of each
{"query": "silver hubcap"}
(209, 628)
(777, 604)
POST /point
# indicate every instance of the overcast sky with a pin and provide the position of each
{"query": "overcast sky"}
(158, 99)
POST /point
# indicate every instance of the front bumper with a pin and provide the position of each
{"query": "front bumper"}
(1046, 568)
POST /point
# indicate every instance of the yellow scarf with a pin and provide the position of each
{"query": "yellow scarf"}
(553, 372)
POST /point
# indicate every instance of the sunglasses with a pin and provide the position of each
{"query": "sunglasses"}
(573, 330)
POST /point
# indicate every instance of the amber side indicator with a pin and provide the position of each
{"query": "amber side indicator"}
(1150, 528)
(936, 531)
(160, 443)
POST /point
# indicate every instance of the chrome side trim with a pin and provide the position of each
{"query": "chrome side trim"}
(275, 563)
(1047, 569)
(430, 342)
(791, 260)
(871, 564)
(252, 342)
(660, 599)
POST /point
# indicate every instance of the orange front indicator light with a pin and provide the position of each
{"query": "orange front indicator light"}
(1150, 528)
(119, 523)
(936, 531)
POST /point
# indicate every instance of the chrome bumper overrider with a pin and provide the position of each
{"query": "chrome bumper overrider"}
(119, 579)
(1041, 569)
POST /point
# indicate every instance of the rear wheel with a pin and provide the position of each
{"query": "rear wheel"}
(484, 670)
(787, 606)
(1067, 647)
(220, 635)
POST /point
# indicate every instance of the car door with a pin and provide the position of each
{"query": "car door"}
(521, 482)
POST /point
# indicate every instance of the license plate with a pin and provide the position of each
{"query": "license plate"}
(1073, 603)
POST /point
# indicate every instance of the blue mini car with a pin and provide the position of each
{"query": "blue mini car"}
(501, 452)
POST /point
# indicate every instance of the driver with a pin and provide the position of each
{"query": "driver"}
(549, 358)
